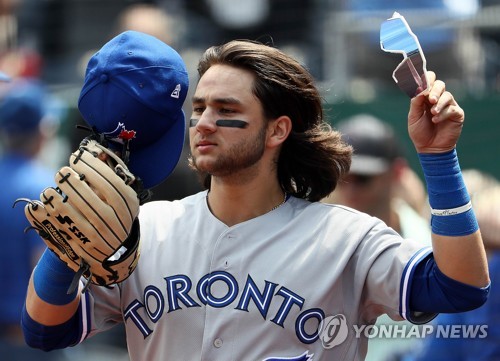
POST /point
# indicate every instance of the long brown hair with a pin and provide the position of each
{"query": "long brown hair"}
(313, 158)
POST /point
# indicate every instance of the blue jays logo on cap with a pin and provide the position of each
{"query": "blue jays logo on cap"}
(134, 89)
(120, 134)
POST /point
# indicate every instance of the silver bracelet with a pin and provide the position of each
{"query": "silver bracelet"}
(452, 211)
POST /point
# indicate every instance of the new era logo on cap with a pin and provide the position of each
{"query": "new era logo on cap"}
(136, 83)
(177, 91)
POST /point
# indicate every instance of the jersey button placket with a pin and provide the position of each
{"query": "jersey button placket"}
(218, 343)
(219, 330)
(226, 264)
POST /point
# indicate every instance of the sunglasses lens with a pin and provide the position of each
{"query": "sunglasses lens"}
(397, 37)
(410, 75)
(360, 180)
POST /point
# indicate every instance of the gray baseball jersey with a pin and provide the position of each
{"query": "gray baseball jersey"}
(258, 290)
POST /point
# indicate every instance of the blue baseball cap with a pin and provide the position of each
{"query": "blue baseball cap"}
(22, 107)
(134, 89)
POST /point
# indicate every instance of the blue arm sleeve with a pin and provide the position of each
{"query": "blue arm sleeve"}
(433, 292)
(49, 338)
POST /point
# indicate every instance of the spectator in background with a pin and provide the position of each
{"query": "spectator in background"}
(150, 19)
(485, 196)
(379, 172)
(24, 127)
(376, 177)
(411, 189)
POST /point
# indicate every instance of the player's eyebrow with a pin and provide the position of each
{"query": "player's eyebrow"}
(225, 100)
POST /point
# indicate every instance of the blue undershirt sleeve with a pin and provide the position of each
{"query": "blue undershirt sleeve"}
(49, 338)
(431, 291)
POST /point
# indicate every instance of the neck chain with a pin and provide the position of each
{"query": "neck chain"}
(272, 209)
(279, 205)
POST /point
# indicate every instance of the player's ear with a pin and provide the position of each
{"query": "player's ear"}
(278, 131)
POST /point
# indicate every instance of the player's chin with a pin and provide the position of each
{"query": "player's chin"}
(203, 163)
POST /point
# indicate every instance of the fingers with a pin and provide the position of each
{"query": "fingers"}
(443, 106)
(424, 97)
(431, 78)
(78, 230)
(88, 203)
(49, 231)
(437, 89)
(447, 109)
(107, 185)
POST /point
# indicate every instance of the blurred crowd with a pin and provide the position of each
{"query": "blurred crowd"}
(44, 49)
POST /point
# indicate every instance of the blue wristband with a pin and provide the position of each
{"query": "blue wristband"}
(52, 278)
(451, 214)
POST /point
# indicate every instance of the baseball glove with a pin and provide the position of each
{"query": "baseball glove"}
(90, 219)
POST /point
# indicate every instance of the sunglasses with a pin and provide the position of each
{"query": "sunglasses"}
(397, 37)
(359, 180)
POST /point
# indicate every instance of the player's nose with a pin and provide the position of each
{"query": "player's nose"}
(205, 122)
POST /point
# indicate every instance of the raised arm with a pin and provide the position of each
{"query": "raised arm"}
(435, 122)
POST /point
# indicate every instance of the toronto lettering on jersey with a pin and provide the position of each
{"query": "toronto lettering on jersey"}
(179, 293)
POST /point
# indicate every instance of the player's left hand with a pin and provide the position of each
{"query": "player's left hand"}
(435, 119)
(90, 220)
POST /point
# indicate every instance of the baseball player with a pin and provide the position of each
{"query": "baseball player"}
(254, 267)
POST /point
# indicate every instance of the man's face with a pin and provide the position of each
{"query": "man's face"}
(365, 193)
(227, 129)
